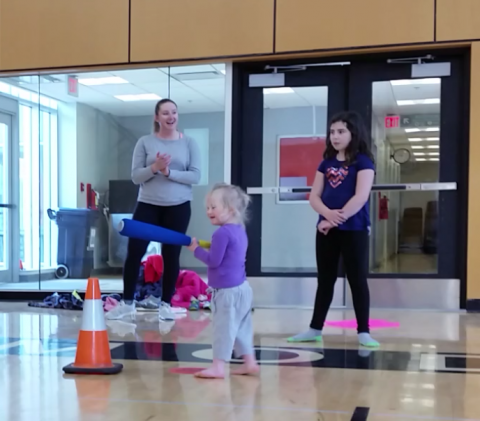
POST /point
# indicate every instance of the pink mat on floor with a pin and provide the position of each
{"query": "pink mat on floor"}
(352, 324)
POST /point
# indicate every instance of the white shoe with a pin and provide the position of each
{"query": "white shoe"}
(121, 311)
(165, 312)
(178, 310)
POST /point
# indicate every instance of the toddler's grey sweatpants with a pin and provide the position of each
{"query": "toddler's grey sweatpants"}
(232, 322)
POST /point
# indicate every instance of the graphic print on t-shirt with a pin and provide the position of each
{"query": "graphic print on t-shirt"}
(335, 176)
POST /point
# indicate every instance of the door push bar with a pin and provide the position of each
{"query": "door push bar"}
(375, 187)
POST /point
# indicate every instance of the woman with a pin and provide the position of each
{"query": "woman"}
(165, 164)
(340, 195)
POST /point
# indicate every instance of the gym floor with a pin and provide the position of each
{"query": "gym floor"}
(427, 368)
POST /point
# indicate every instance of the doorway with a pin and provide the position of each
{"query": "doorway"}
(416, 111)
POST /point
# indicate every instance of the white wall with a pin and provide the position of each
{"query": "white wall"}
(136, 127)
(88, 148)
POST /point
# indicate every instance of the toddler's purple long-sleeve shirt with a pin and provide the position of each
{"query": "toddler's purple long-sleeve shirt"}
(226, 258)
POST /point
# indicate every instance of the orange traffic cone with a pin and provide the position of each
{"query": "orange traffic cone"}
(93, 349)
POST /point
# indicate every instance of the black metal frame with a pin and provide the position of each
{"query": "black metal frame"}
(351, 87)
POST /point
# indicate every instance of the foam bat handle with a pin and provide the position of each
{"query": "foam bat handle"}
(149, 232)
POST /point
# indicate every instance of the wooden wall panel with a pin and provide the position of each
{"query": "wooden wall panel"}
(323, 24)
(458, 19)
(37, 34)
(190, 29)
(473, 242)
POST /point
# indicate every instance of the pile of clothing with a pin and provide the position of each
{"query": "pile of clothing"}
(63, 301)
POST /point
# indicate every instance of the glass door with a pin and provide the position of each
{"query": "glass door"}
(417, 112)
(283, 133)
(6, 260)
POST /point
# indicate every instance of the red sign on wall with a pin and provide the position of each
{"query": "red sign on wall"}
(392, 121)
(72, 86)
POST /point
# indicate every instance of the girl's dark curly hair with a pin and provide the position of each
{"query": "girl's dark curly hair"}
(360, 137)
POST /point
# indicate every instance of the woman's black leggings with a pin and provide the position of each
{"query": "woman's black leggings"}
(353, 247)
(175, 218)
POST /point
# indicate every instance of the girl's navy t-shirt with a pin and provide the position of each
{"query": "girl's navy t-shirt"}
(339, 187)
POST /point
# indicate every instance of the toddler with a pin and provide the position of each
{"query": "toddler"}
(231, 293)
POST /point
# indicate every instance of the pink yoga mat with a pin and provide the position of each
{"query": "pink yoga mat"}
(352, 324)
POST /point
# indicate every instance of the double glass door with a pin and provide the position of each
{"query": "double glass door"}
(416, 120)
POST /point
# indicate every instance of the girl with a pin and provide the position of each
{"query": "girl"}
(340, 195)
(165, 164)
(232, 295)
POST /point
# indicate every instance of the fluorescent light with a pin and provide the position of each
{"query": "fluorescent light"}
(109, 80)
(420, 159)
(417, 147)
(415, 139)
(138, 97)
(426, 129)
(429, 81)
(433, 146)
(419, 154)
(434, 159)
(434, 154)
(433, 139)
(402, 102)
(278, 91)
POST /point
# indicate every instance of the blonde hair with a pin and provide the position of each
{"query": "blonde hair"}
(234, 198)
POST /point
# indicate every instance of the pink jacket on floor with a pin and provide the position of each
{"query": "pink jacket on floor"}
(189, 284)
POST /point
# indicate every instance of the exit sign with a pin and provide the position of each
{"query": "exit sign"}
(392, 121)
(72, 86)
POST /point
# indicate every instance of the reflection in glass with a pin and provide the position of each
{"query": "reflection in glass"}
(294, 133)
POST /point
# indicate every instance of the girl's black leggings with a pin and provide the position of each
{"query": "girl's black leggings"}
(175, 218)
(353, 247)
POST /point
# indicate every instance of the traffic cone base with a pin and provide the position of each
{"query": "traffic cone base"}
(93, 349)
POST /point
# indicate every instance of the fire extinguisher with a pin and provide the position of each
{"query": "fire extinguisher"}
(382, 207)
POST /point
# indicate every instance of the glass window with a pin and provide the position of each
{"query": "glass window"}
(294, 134)
(406, 146)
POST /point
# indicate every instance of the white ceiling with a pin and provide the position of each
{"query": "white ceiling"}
(205, 93)
(201, 88)
(385, 97)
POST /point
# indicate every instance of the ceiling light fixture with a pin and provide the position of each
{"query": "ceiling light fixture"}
(403, 102)
(418, 147)
(419, 154)
(429, 81)
(268, 91)
(420, 159)
(434, 159)
(433, 139)
(417, 129)
(434, 154)
(138, 97)
(415, 139)
(433, 146)
(96, 81)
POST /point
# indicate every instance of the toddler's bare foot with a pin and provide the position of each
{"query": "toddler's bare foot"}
(211, 373)
(247, 370)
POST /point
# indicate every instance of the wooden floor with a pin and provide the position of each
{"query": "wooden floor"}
(428, 368)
